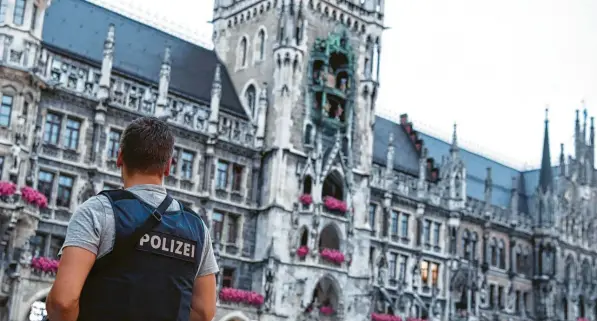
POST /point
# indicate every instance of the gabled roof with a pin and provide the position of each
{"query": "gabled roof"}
(79, 28)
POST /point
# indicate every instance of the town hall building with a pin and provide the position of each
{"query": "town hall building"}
(318, 208)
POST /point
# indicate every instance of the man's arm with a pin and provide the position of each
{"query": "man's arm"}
(203, 303)
(78, 255)
(63, 299)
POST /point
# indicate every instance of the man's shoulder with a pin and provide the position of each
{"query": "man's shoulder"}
(96, 204)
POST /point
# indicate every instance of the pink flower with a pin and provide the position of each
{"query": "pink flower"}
(384, 317)
(306, 199)
(326, 310)
(7, 188)
(302, 251)
(241, 296)
(582, 319)
(34, 197)
(332, 255)
(44, 264)
(333, 204)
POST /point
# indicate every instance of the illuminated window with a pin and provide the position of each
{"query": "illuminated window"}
(434, 274)
(424, 272)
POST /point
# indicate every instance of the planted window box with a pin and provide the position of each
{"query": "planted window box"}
(231, 295)
(335, 205)
(333, 256)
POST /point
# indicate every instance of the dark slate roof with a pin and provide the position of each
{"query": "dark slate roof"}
(406, 159)
(79, 28)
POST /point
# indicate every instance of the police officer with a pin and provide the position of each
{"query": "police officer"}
(136, 254)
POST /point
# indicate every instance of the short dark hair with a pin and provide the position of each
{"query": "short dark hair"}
(147, 145)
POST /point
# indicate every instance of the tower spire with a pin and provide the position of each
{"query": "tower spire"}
(546, 173)
(454, 148)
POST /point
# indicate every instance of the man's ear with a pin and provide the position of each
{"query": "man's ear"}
(119, 161)
(168, 166)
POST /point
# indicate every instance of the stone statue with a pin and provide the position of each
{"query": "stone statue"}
(510, 298)
(483, 292)
(37, 140)
(270, 277)
(15, 151)
(382, 273)
(26, 253)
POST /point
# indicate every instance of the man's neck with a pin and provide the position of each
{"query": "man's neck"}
(142, 180)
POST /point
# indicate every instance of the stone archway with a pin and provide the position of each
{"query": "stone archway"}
(26, 308)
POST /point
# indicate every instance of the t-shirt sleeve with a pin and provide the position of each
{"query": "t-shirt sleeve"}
(208, 264)
(85, 226)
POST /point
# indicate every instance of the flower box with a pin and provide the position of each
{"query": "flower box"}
(306, 199)
(44, 264)
(7, 188)
(34, 197)
(384, 317)
(333, 204)
(582, 319)
(241, 296)
(416, 319)
(302, 251)
(333, 256)
(326, 310)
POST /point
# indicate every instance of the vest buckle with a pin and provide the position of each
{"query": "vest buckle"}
(157, 215)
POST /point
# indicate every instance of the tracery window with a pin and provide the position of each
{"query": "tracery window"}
(251, 99)
(501, 255)
(493, 252)
(465, 245)
(243, 52)
(261, 44)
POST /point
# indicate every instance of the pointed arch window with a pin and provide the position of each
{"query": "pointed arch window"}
(474, 239)
(261, 44)
(466, 251)
(251, 99)
(501, 255)
(493, 252)
(243, 52)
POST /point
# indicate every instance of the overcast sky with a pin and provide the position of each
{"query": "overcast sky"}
(490, 66)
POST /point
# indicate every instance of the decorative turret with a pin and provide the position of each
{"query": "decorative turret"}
(389, 161)
(262, 116)
(162, 101)
(216, 95)
(108, 58)
(545, 188)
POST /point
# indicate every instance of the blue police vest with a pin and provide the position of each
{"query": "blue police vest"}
(154, 280)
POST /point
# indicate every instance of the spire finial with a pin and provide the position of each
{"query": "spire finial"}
(546, 113)
(167, 58)
(454, 147)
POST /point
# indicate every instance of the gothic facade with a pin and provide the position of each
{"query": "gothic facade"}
(318, 208)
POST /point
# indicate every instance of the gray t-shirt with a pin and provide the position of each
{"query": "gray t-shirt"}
(92, 226)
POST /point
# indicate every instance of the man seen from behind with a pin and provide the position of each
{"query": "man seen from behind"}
(136, 254)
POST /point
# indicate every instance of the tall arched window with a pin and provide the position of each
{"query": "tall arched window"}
(250, 99)
(261, 44)
(474, 239)
(501, 255)
(375, 60)
(307, 185)
(493, 252)
(242, 51)
(466, 252)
